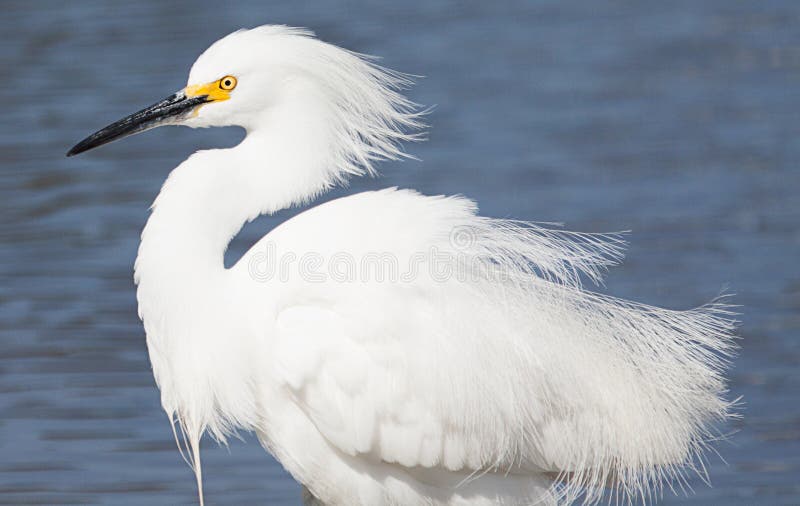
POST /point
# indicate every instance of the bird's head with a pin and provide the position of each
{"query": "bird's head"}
(248, 76)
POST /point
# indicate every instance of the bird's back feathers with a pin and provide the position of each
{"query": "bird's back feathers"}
(504, 363)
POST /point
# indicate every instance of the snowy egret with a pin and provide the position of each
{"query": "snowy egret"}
(390, 347)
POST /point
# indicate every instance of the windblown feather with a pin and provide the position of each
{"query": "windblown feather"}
(540, 377)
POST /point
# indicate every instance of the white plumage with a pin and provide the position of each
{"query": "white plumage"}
(393, 348)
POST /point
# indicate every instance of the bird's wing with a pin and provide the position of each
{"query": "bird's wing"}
(512, 367)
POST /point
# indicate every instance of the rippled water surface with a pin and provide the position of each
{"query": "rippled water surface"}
(675, 120)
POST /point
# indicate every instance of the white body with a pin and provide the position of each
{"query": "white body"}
(371, 372)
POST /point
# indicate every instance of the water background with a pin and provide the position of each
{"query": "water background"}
(675, 120)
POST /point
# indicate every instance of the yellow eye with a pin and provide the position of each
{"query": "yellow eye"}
(227, 83)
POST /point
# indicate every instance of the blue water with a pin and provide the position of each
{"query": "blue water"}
(675, 120)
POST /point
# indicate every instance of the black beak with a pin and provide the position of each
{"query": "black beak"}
(168, 111)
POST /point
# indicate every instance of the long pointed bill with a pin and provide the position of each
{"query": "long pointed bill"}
(169, 111)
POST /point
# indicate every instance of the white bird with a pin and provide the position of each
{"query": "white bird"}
(390, 348)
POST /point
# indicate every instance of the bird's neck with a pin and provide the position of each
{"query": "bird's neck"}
(185, 294)
(209, 197)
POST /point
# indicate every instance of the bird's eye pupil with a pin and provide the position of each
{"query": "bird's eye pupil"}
(227, 82)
